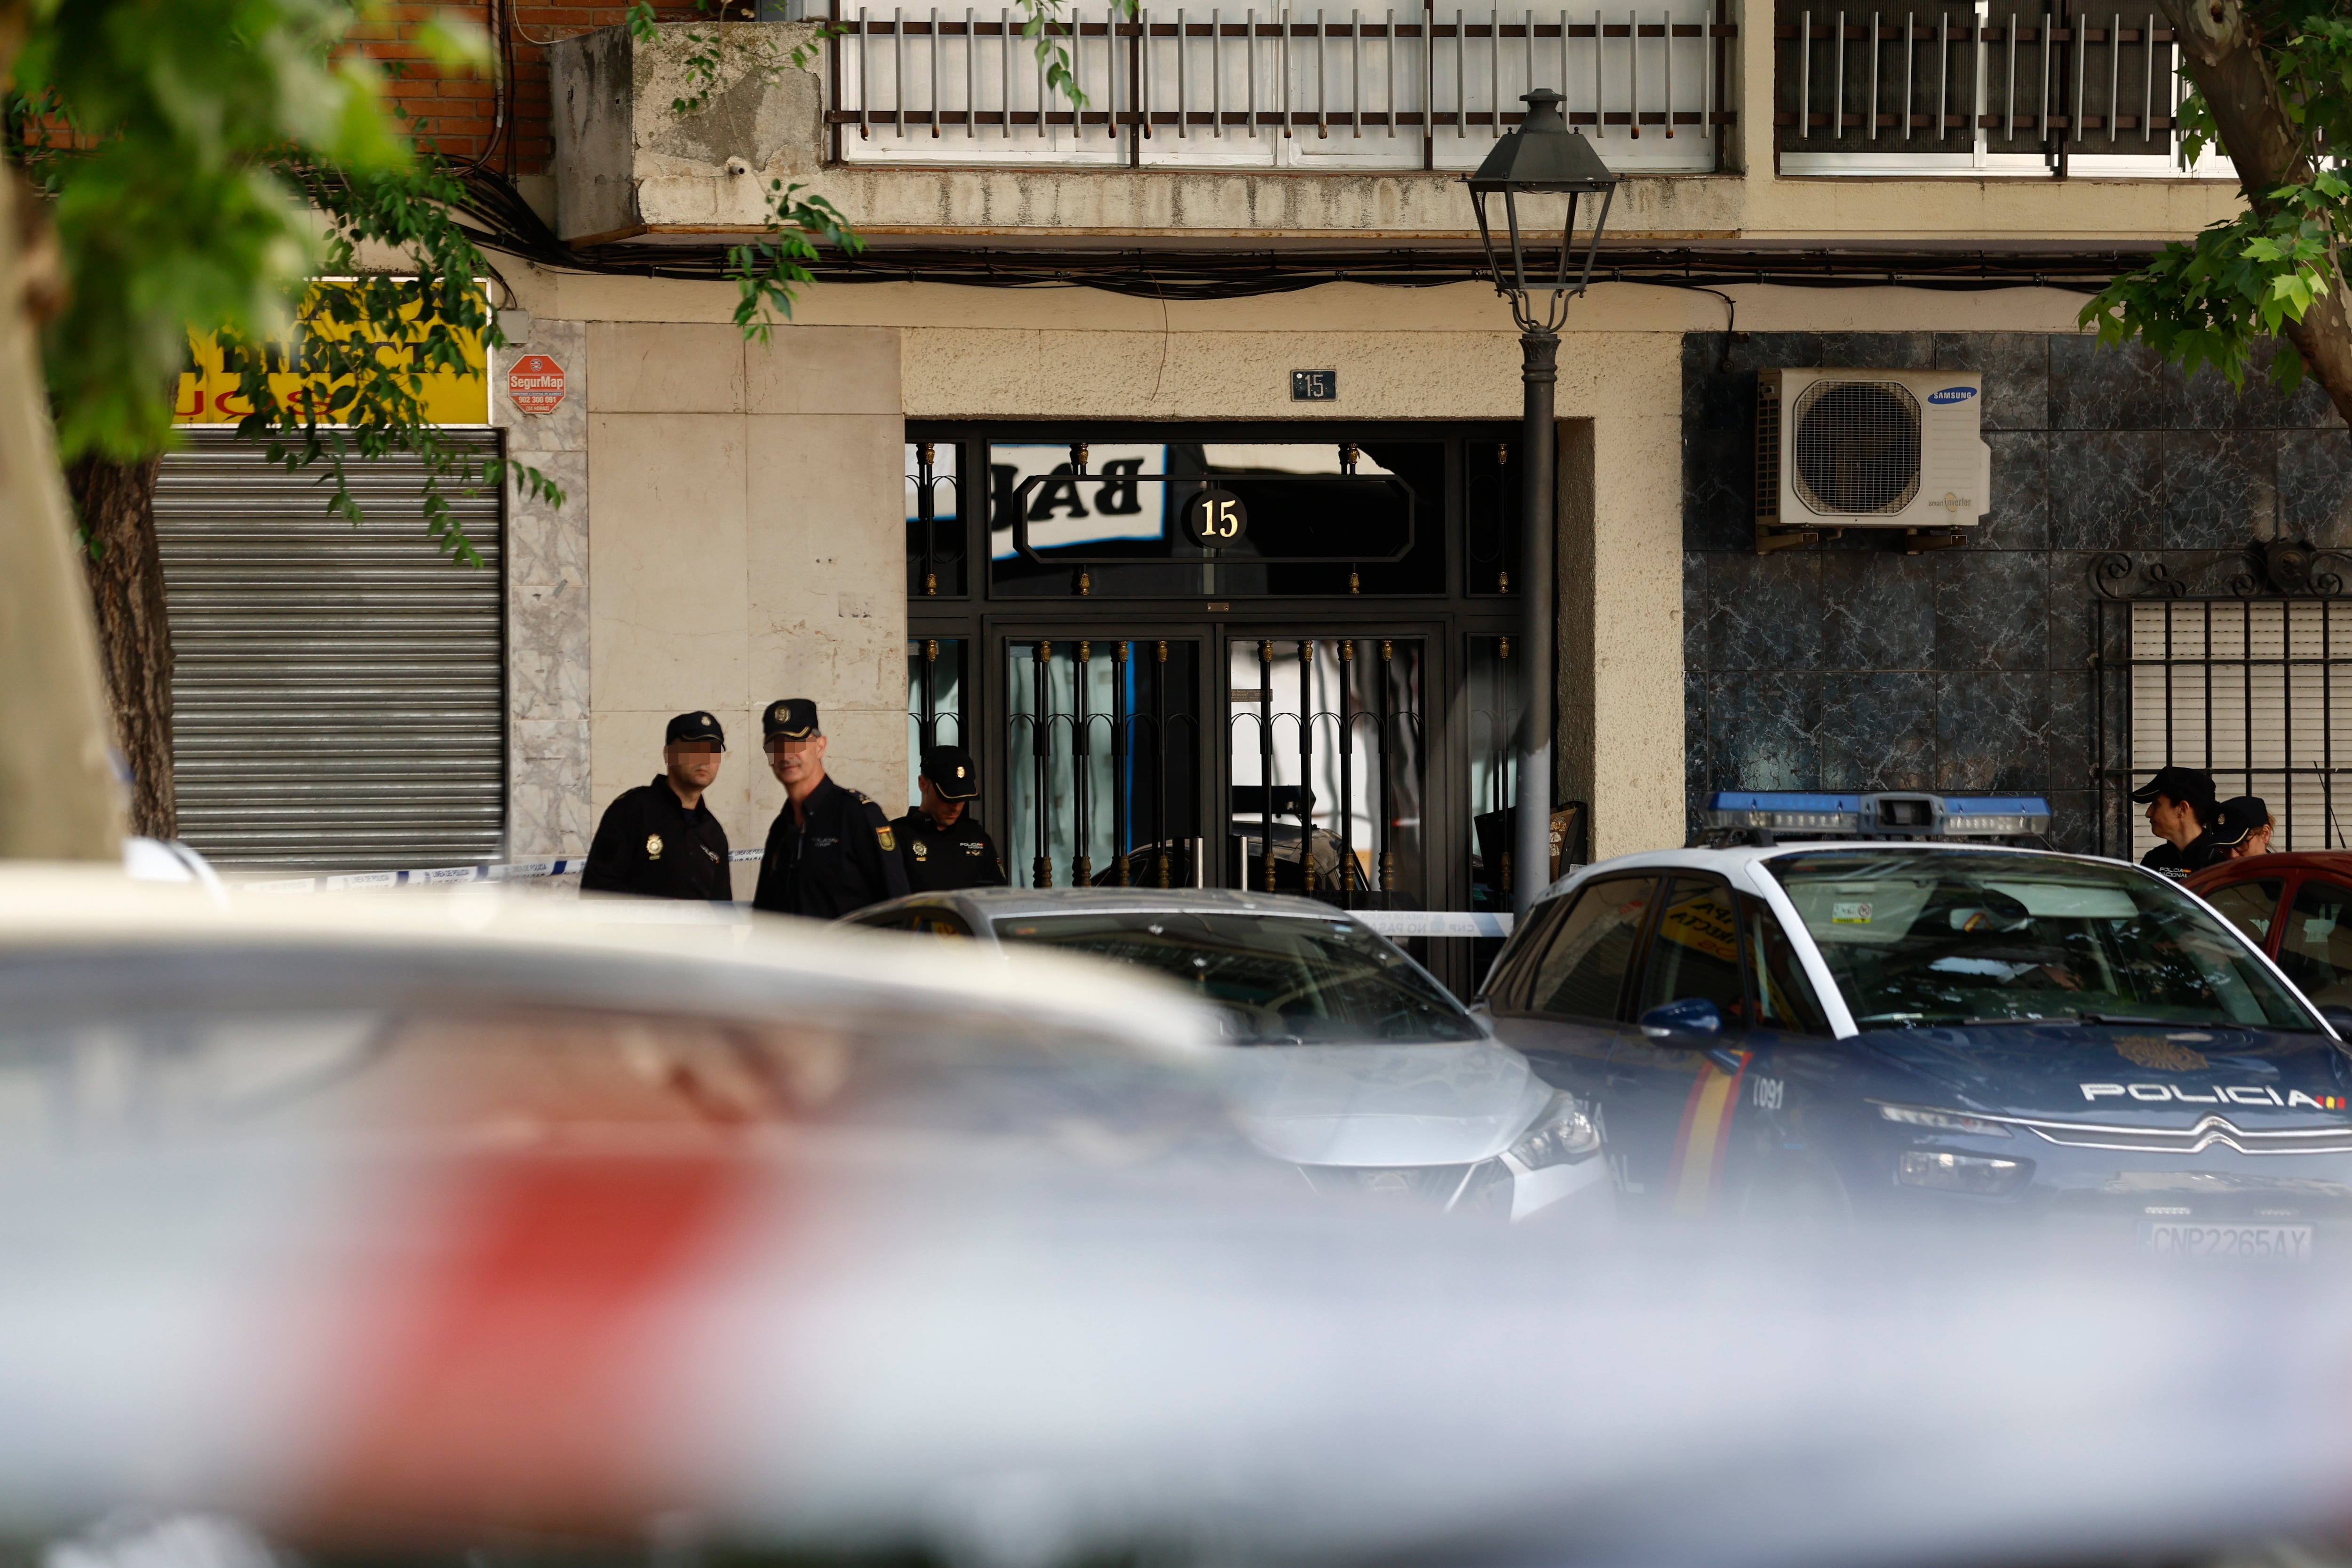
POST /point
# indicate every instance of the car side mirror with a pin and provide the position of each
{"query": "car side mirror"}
(1693, 1015)
(2339, 1018)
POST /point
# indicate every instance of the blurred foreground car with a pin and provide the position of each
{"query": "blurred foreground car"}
(430, 1232)
(1374, 1078)
(1905, 1027)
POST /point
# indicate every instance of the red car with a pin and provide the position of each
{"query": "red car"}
(2299, 907)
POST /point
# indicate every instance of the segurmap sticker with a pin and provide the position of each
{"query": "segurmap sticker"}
(1849, 914)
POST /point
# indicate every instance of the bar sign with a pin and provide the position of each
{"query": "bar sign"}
(1314, 386)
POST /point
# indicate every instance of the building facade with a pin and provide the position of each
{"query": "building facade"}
(953, 497)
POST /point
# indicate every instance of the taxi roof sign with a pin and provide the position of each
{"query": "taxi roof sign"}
(1887, 814)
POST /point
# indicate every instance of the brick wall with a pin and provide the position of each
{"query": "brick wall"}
(460, 114)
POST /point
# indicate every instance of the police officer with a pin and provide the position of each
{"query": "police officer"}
(943, 845)
(659, 839)
(831, 850)
(2180, 811)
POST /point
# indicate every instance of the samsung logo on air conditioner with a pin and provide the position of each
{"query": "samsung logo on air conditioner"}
(1952, 394)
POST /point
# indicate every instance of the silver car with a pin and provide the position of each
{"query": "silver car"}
(1380, 1081)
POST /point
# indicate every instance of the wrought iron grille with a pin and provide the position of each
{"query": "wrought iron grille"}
(1326, 742)
(2255, 687)
(1271, 86)
(2053, 90)
(1102, 742)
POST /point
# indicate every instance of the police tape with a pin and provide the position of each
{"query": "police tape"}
(438, 876)
(1388, 922)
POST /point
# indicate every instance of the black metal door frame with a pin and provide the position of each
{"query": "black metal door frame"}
(1444, 622)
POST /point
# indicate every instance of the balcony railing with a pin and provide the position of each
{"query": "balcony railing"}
(1914, 91)
(1239, 87)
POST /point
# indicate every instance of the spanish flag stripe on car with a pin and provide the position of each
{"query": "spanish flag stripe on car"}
(1706, 1132)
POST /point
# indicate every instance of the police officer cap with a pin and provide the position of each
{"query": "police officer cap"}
(2239, 818)
(791, 719)
(694, 727)
(2191, 787)
(952, 773)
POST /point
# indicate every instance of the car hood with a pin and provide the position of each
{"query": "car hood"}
(2147, 1074)
(1384, 1105)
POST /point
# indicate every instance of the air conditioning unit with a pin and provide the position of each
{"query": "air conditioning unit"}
(1870, 448)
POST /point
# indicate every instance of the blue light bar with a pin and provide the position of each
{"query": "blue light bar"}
(1892, 814)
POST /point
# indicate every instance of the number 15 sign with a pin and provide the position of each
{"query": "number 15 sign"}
(1215, 519)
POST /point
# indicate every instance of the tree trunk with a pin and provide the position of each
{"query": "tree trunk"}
(116, 502)
(2219, 51)
(59, 799)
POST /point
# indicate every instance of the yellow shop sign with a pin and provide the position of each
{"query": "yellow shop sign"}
(207, 392)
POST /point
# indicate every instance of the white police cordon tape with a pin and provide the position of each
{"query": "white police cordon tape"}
(1388, 922)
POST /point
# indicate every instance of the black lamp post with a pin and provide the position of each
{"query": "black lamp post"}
(1542, 157)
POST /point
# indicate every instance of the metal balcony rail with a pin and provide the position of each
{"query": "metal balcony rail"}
(1274, 87)
(1881, 92)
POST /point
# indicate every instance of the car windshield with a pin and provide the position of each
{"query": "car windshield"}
(1275, 980)
(1937, 938)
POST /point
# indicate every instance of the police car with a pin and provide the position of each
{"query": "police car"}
(1879, 1006)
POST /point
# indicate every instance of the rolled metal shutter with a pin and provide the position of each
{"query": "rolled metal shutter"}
(339, 692)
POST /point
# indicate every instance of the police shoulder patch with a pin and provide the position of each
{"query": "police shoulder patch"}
(887, 839)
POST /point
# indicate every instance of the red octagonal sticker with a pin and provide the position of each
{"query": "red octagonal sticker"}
(536, 383)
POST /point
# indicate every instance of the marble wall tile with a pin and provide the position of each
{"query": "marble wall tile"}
(547, 783)
(2019, 517)
(1719, 489)
(1992, 729)
(2315, 487)
(2105, 486)
(2070, 718)
(2127, 387)
(1991, 606)
(1758, 731)
(1879, 608)
(2071, 822)
(2221, 488)
(1763, 612)
(1879, 730)
(2016, 371)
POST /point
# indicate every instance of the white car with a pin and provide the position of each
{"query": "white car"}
(1362, 1070)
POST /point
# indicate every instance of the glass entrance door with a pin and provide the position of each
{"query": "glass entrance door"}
(1324, 766)
(1102, 760)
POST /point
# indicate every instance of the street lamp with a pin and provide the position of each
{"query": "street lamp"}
(1542, 157)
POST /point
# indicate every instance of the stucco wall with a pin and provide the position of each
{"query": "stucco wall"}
(748, 546)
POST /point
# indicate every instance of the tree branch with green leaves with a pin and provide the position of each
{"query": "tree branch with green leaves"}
(2272, 87)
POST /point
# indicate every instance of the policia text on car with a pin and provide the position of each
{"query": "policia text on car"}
(831, 850)
(659, 839)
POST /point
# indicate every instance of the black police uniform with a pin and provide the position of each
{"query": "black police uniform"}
(2175, 861)
(940, 859)
(839, 858)
(649, 843)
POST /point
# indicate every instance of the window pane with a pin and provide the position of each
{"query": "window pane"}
(2316, 952)
(2249, 905)
(1922, 940)
(1784, 997)
(1583, 972)
(1695, 953)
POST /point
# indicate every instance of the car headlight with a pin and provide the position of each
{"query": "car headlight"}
(1945, 1121)
(1563, 1134)
(1962, 1172)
